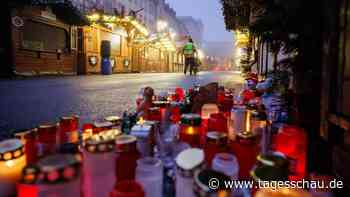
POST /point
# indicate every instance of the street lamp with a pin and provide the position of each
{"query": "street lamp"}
(161, 25)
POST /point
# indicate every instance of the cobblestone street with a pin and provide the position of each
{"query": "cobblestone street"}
(26, 103)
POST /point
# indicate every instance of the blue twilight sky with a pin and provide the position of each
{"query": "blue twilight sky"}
(209, 11)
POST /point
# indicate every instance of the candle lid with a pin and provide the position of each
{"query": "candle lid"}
(99, 144)
(240, 108)
(125, 143)
(161, 104)
(141, 131)
(202, 184)
(103, 124)
(216, 137)
(47, 127)
(11, 149)
(269, 173)
(191, 119)
(226, 163)
(113, 119)
(246, 135)
(189, 160)
(275, 159)
(59, 168)
(68, 118)
(26, 133)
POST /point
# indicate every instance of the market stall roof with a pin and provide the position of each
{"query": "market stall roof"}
(64, 10)
(162, 41)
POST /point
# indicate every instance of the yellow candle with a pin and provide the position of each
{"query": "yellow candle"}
(12, 162)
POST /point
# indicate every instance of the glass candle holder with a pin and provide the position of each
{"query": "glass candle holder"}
(190, 129)
(227, 164)
(238, 118)
(69, 126)
(149, 173)
(218, 122)
(128, 189)
(127, 156)
(47, 139)
(216, 142)
(143, 133)
(12, 162)
(246, 148)
(202, 180)
(29, 139)
(98, 167)
(55, 175)
(187, 162)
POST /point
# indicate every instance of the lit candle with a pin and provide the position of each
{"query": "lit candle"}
(59, 176)
(127, 156)
(69, 129)
(98, 166)
(207, 110)
(102, 126)
(29, 139)
(12, 162)
(191, 129)
(47, 139)
(216, 142)
(187, 162)
(87, 131)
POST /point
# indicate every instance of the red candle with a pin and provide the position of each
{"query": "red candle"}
(191, 129)
(216, 142)
(29, 139)
(162, 107)
(246, 148)
(128, 189)
(47, 139)
(154, 114)
(69, 129)
(175, 111)
(127, 156)
(218, 122)
(292, 141)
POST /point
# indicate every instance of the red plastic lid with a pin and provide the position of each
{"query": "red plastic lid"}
(128, 189)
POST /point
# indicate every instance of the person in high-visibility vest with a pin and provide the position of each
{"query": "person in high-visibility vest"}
(189, 51)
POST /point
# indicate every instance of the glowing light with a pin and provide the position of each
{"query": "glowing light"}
(201, 54)
(190, 131)
(9, 163)
(161, 25)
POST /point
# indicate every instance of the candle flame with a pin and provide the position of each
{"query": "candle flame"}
(141, 121)
(10, 163)
(190, 130)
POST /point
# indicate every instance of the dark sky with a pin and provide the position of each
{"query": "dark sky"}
(209, 11)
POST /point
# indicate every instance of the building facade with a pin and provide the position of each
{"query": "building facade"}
(194, 27)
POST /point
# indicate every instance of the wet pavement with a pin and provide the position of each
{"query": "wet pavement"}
(25, 103)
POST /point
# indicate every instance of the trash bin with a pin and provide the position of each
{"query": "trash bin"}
(106, 67)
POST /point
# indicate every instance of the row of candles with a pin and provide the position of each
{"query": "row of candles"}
(223, 141)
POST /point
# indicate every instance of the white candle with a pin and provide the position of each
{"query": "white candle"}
(143, 133)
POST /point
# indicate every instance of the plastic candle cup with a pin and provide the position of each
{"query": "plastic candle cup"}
(201, 184)
(162, 107)
(69, 129)
(187, 163)
(55, 175)
(99, 166)
(218, 122)
(12, 162)
(29, 139)
(127, 156)
(149, 173)
(143, 133)
(216, 142)
(154, 114)
(191, 129)
(238, 119)
(246, 148)
(47, 139)
(227, 164)
(128, 188)
(175, 110)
